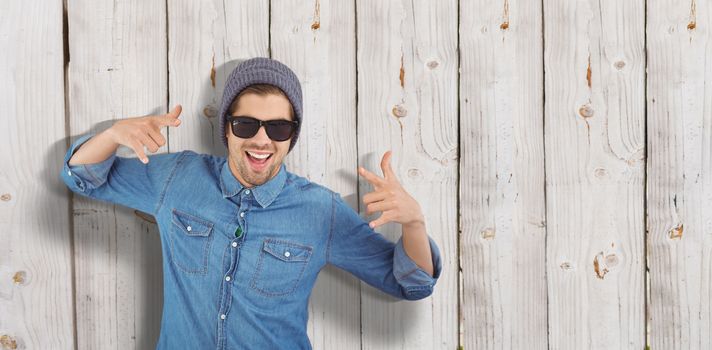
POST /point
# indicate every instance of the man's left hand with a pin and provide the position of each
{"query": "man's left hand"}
(390, 197)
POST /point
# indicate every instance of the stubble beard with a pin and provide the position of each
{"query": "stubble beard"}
(252, 177)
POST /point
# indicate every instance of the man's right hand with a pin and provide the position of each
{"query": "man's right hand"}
(138, 132)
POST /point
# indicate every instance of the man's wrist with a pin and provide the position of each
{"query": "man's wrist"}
(418, 223)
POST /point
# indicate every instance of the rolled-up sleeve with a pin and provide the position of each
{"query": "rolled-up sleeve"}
(121, 180)
(416, 282)
(85, 177)
(355, 247)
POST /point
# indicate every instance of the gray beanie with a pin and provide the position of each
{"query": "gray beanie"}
(262, 70)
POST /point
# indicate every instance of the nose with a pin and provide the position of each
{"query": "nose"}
(261, 137)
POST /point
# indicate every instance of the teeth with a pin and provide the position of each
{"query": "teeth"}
(259, 156)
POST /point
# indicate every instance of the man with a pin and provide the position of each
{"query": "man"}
(244, 239)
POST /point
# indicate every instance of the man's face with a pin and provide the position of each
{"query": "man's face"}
(246, 168)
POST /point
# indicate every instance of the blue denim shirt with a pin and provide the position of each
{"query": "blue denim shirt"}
(240, 263)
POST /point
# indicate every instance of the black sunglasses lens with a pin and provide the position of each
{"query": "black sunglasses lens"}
(279, 130)
(245, 127)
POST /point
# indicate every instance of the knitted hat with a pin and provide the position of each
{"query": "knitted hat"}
(262, 70)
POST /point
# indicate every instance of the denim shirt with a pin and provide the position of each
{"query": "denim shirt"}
(239, 263)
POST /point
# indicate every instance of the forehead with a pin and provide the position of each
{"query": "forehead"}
(265, 107)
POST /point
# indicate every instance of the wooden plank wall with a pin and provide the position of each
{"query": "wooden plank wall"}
(679, 174)
(560, 150)
(594, 136)
(116, 69)
(407, 102)
(36, 301)
(502, 192)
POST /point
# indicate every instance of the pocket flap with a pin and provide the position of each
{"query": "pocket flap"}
(191, 224)
(287, 251)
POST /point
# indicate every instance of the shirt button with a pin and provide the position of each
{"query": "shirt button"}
(222, 317)
(247, 191)
(189, 228)
(242, 215)
(227, 278)
(287, 254)
(234, 244)
(69, 172)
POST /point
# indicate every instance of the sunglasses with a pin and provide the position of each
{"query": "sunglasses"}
(277, 130)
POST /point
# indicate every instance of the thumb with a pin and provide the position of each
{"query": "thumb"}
(386, 165)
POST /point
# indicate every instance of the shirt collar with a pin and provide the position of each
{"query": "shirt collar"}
(265, 193)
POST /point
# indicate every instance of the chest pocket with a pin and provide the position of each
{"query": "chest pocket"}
(190, 240)
(280, 267)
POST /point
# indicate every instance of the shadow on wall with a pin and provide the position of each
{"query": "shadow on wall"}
(99, 229)
(208, 108)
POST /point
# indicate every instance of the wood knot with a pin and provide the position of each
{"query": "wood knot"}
(586, 111)
(600, 172)
(676, 232)
(488, 233)
(433, 64)
(602, 263)
(210, 111)
(5, 197)
(415, 173)
(619, 65)
(399, 111)
(8, 342)
(19, 278)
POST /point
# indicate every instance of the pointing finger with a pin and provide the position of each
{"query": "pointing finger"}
(175, 112)
(171, 118)
(371, 177)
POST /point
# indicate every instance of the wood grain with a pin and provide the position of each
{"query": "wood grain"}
(117, 69)
(679, 187)
(407, 102)
(520, 127)
(595, 144)
(36, 302)
(502, 204)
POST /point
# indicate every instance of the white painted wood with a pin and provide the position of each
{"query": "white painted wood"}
(679, 187)
(117, 69)
(558, 269)
(407, 102)
(206, 41)
(595, 146)
(36, 302)
(502, 210)
(317, 40)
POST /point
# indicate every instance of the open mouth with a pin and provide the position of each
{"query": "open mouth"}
(257, 160)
